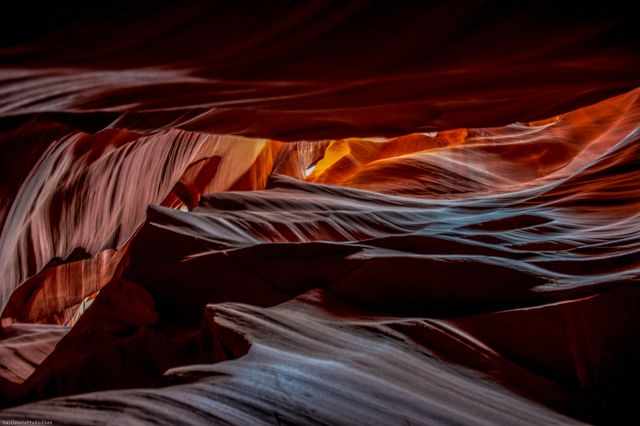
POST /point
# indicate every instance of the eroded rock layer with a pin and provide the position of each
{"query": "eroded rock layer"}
(190, 238)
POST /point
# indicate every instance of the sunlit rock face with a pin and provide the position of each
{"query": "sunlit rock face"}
(351, 215)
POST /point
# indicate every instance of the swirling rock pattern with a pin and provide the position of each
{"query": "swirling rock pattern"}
(243, 238)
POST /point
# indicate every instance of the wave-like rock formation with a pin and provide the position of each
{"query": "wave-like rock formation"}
(238, 237)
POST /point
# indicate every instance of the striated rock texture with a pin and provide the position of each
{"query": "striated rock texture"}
(296, 224)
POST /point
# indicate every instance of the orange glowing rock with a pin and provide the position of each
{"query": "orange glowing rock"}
(292, 223)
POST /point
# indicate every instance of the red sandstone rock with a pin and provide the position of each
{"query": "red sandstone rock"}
(296, 224)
